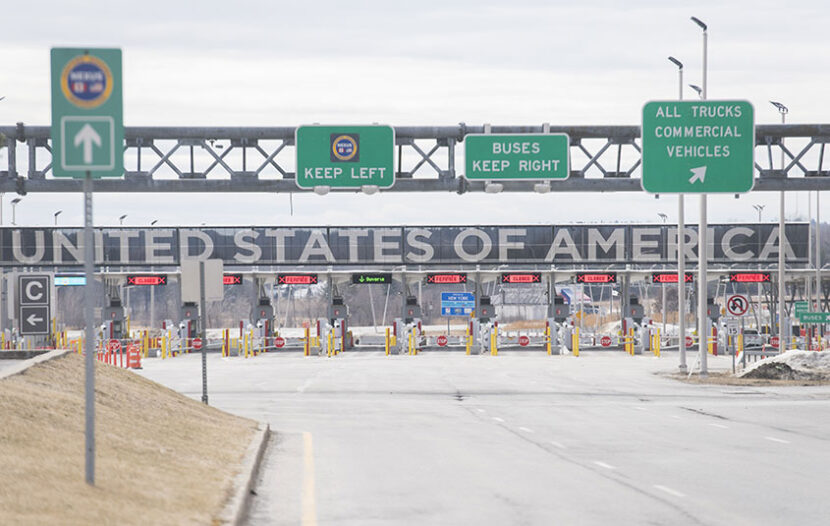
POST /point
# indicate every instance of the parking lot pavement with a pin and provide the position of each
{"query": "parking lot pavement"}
(519, 438)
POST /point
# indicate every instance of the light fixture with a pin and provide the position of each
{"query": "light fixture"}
(541, 188)
(369, 189)
(493, 188)
(322, 190)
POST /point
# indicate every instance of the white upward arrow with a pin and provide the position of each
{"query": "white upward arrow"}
(699, 174)
(87, 136)
(33, 319)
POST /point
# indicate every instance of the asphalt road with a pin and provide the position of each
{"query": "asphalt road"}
(521, 438)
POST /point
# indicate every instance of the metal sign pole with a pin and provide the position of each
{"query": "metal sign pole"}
(89, 363)
(702, 249)
(204, 329)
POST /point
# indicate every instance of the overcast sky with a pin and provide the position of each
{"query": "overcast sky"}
(212, 63)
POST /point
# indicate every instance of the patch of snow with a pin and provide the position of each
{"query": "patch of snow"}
(792, 365)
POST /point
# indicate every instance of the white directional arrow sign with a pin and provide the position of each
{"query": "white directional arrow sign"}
(87, 137)
(698, 174)
(33, 320)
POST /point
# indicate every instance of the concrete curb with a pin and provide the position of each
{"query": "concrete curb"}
(237, 506)
(19, 368)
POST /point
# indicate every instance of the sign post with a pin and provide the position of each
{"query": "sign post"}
(87, 139)
(699, 147)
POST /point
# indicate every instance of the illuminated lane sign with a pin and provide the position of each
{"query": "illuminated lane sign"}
(61, 281)
(296, 279)
(671, 277)
(750, 277)
(447, 279)
(522, 277)
(596, 277)
(363, 279)
(232, 279)
(147, 279)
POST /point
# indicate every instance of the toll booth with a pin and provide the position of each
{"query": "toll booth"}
(339, 320)
(263, 316)
(189, 320)
(712, 317)
(411, 309)
(634, 325)
(114, 325)
(558, 314)
(486, 322)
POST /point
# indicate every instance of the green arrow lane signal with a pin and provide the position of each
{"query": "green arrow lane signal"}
(87, 113)
(699, 147)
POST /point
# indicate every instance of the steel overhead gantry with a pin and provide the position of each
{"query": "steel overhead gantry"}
(261, 159)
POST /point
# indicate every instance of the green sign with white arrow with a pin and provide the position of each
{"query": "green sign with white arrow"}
(698, 147)
(87, 113)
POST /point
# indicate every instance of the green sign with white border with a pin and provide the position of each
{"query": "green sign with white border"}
(345, 156)
(698, 147)
(517, 156)
(87, 113)
(814, 317)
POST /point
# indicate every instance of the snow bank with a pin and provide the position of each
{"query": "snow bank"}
(792, 365)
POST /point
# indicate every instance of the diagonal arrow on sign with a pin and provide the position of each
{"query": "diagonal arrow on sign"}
(699, 174)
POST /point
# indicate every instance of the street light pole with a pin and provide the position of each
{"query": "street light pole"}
(782, 245)
(759, 208)
(14, 210)
(702, 245)
(681, 250)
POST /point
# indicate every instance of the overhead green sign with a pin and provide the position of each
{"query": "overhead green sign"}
(801, 307)
(517, 156)
(345, 156)
(814, 317)
(87, 113)
(698, 146)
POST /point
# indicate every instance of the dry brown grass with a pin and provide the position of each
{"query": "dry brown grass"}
(162, 458)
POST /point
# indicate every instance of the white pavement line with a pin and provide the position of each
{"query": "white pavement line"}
(675, 417)
(668, 490)
(640, 408)
(497, 419)
(719, 426)
(526, 429)
(480, 410)
(779, 440)
(557, 444)
(309, 507)
(604, 465)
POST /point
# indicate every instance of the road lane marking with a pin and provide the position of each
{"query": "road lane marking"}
(309, 507)
(497, 419)
(526, 429)
(719, 426)
(480, 410)
(668, 490)
(779, 440)
(640, 408)
(557, 444)
(604, 465)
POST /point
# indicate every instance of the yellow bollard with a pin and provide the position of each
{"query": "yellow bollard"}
(740, 343)
(409, 343)
(307, 342)
(547, 339)
(469, 342)
(386, 342)
(576, 341)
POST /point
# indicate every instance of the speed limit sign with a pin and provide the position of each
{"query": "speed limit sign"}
(737, 305)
